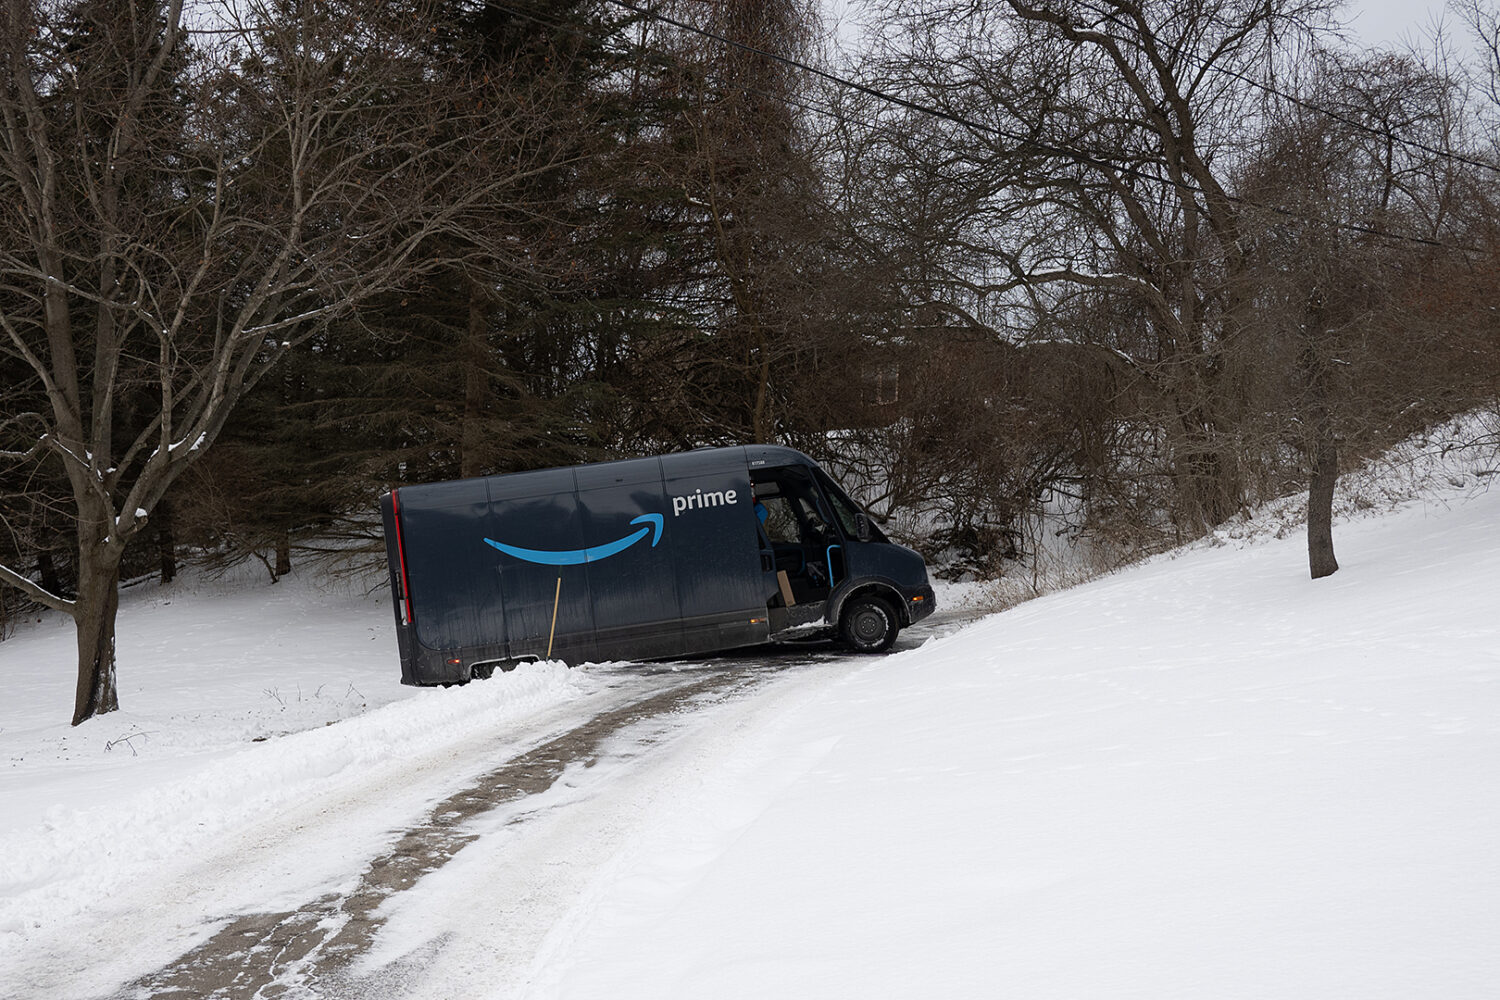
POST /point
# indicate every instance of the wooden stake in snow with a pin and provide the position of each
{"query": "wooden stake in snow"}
(555, 598)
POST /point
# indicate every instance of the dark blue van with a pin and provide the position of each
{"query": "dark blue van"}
(645, 558)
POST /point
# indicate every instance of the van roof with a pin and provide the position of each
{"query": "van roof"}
(592, 475)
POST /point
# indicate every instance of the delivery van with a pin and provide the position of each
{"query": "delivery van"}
(647, 558)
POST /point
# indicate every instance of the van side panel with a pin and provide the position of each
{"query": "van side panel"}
(642, 558)
(636, 608)
(549, 524)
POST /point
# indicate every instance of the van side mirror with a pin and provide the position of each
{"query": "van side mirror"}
(862, 526)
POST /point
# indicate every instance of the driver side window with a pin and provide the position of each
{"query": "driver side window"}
(794, 514)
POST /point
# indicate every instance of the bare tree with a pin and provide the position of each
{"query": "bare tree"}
(1369, 210)
(187, 194)
(1093, 143)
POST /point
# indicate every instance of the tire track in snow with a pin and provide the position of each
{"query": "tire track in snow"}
(272, 955)
(292, 953)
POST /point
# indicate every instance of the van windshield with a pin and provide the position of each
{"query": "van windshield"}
(844, 509)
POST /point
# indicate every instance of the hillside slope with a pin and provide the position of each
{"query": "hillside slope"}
(1204, 775)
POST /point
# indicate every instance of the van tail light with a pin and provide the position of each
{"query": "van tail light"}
(405, 595)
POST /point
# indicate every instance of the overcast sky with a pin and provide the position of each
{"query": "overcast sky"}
(1379, 22)
(1374, 22)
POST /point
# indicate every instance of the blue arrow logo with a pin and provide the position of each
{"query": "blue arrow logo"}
(572, 557)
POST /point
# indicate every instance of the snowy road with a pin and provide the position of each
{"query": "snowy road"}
(561, 791)
(264, 954)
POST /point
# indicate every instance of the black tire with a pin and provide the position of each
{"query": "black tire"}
(868, 625)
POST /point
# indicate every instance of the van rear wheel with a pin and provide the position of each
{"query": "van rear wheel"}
(868, 625)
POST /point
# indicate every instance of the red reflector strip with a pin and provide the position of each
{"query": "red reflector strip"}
(401, 556)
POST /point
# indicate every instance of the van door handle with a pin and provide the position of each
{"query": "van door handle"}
(767, 562)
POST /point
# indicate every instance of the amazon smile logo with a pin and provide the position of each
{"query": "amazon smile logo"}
(594, 553)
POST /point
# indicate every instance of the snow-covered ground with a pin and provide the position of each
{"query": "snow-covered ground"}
(1205, 776)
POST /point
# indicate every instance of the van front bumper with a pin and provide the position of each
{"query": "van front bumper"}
(919, 604)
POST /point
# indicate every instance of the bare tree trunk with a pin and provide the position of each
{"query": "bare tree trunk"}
(283, 554)
(1325, 473)
(98, 602)
(166, 541)
(1325, 462)
(759, 424)
(46, 568)
(471, 434)
(1205, 478)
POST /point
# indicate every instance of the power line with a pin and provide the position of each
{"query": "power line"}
(1354, 123)
(1079, 155)
(1098, 162)
(910, 105)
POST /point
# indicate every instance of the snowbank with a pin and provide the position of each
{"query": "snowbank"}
(1204, 776)
(230, 693)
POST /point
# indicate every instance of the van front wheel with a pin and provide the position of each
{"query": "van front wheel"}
(868, 625)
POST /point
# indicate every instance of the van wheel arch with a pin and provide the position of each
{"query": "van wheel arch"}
(869, 622)
(887, 593)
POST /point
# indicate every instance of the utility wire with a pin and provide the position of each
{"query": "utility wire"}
(1340, 117)
(910, 105)
(1098, 162)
